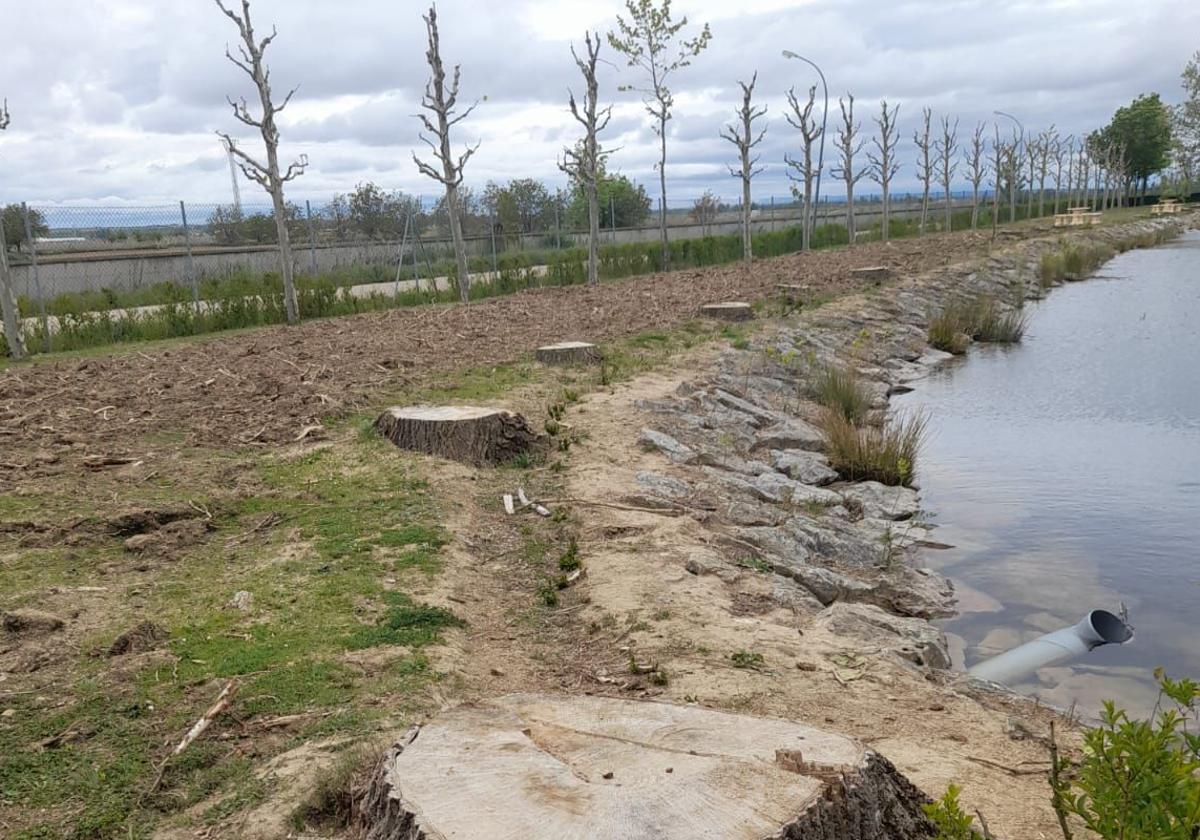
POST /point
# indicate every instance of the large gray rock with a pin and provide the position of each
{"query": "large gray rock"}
(913, 639)
(880, 501)
(663, 485)
(804, 466)
(669, 446)
(778, 488)
(792, 433)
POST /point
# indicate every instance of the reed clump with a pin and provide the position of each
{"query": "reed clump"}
(885, 453)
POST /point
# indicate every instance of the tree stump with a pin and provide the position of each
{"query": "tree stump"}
(540, 767)
(461, 433)
(875, 274)
(569, 353)
(728, 311)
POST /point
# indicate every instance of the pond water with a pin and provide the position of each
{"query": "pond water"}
(1065, 471)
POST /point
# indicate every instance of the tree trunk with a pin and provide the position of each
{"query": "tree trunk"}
(542, 768)
(460, 247)
(662, 207)
(460, 433)
(850, 231)
(747, 237)
(8, 303)
(290, 304)
(886, 214)
(593, 232)
(569, 353)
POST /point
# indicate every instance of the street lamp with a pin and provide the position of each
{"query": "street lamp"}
(824, 121)
(1020, 152)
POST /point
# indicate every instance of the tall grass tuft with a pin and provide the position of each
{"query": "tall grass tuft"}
(977, 319)
(887, 453)
(992, 324)
(840, 389)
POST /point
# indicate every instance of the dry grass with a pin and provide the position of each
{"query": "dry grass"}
(887, 453)
(979, 319)
(840, 389)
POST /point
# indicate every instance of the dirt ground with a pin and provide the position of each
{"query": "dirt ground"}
(161, 484)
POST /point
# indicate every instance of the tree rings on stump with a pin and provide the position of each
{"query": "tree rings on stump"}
(542, 767)
(459, 432)
(875, 274)
(729, 311)
(569, 353)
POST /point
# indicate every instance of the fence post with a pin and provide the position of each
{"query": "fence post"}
(557, 230)
(37, 280)
(495, 262)
(400, 261)
(8, 303)
(312, 237)
(772, 214)
(612, 216)
(191, 263)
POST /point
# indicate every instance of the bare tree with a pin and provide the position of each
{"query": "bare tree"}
(8, 301)
(584, 162)
(1045, 152)
(947, 147)
(883, 160)
(267, 176)
(1000, 157)
(848, 147)
(974, 156)
(802, 171)
(1032, 153)
(1060, 153)
(1013, 168)
(647, 42)
(741, 134)
(440, 100)
(705, 210)
(925, 163)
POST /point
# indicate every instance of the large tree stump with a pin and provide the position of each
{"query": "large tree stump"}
(539, 767)
(569, 353)
(461, 433)
(728, 311)
(874, 274)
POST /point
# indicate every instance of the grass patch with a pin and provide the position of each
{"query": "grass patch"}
(746, 660)
(887, 453)
(405, 623)
(840, 389)
(975, 319)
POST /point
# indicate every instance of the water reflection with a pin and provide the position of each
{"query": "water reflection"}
(1066, 473)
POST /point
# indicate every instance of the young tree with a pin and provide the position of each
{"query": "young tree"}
(848, 147)
(976, 160)
(1186, 150)
(741, 134)
(1046, 142)
(802, 171)
(925, 162)
(1000, 157)
(1060, 153)
(267, 176)
(1144, 128)
(647, 40)
(440, 101)
(1032, 153)
(8, 301)
(947, 148)
(584, 163)
(705, 210)
(883, 160)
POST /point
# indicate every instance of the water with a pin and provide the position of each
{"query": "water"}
(1065, 471)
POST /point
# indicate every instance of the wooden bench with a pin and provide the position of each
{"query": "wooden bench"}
(1167, 207)
(1077, 216)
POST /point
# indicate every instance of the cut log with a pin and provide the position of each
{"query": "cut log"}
(569, 353)
(871, 274)
(539, 767)
(461, 433)
(728, 311)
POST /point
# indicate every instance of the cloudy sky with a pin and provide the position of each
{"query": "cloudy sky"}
(116, 101)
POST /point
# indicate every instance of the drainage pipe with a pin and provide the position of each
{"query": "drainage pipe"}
(1099, 627)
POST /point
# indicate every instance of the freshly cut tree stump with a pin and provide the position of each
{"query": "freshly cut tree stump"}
(872, 274)
(458, 432)
(729, 311)
(539, 767)
(569, 353)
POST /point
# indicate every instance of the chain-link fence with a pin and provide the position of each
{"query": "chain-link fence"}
(85, 274)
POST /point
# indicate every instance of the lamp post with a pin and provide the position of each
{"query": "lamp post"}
(1020, 153)
(824, 122)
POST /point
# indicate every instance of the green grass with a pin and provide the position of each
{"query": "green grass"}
(887, 453)
(975, 319)
(840, 389)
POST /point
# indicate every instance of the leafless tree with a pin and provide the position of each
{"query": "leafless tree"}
(647, 42)
(1013, 169)
(584, 162)
(848, 147)
(440, 100)
(1000, 157)
(1061, 152)
(803, 171)
(250, 61)
(741, 134)
(705, 210)
(8, 301)
(883, 160)
(1045, 152)
(925, 162)
(976, 160)
(947, 148)
(1029, 171)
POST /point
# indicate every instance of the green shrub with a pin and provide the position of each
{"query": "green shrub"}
(950, 820)
(840, 389)
(887, 453)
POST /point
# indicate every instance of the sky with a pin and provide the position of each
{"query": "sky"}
(118, 101)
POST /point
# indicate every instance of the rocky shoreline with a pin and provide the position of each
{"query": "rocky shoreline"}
(745, 459)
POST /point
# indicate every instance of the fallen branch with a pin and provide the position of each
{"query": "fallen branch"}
(665, 511)
(198, 728)
(1012, 771)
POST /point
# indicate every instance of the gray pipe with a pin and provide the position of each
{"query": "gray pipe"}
(1099, 627)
